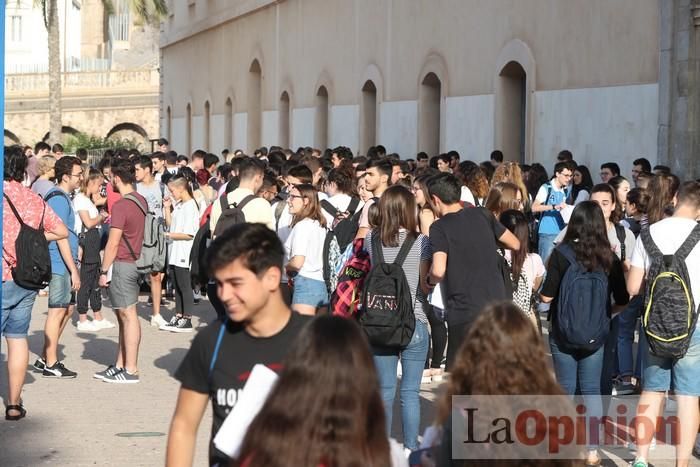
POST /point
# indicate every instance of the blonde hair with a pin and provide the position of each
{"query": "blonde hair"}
(45, 165)
(92, 174)
(510, 172)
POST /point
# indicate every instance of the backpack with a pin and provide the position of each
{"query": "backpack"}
(200, 243)
(670, 314)
(337, 239)
(505, 268)
(33, 263)
(521, 292)
(279, 209)
(231, 214)
(387, 316)
(582, 318)
(347, 296)
(152, 258)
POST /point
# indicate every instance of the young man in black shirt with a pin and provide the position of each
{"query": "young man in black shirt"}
(464, 244)
(246, 262)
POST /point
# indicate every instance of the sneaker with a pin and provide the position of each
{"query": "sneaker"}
(170, 324)
(87, 326)
(109, 371)
(625, 389)
(427, 377)
(122, 377)
(197, 297)
(158, 321)
(639, 463)
(58, 370)
(182, 325)
(103, 324)
(39, 364)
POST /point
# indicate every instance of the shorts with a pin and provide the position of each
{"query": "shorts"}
(60, 293)
(124, 286)
(17, 304)
(309, 292)
(683, 375)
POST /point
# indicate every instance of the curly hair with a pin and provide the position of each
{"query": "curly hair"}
(474, 178)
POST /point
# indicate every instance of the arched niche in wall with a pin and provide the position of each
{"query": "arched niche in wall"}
(432, 90)
(207, 126)
(228, 124)
(169, 123)
(514, 89)
(284, 120)
(370, 104)
(188, 123)
(254, 105)
(321, 119)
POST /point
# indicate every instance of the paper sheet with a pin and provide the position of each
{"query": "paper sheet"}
(566, 213)
(435, 298)
(232, 432)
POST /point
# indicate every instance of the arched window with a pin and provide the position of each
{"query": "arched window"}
(188, 141)
(512, 89)
(429, 120)
(284, 115)
(321, 120)
(207, 126)
(368, 125)
(228, 130)
(169, 123)
(254, 106)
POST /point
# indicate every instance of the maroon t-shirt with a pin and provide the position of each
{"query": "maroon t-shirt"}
(130, 219)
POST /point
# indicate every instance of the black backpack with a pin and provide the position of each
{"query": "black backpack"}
(670, 313)
(198, 267)
(231, 214)
(387, 316)
(345, 224)
(33, 263)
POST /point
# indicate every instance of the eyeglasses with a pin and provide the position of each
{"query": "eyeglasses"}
(295, 196)
(79, 174)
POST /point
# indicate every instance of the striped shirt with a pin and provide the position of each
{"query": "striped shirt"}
(420, 251)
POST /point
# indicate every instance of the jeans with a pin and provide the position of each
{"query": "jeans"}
(625, 338)
(412, 362)
(546, 245)
(17, 304)
(583, 369)
(438, 337)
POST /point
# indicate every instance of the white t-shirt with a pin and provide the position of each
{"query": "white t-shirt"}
(306, 239)
(341, 202)
(83, 203)
(669, 234)
(185, 220)
(467, 196)
(533, 267)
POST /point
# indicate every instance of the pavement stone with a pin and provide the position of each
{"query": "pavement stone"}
(86, 422)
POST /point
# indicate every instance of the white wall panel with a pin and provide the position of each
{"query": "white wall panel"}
(240, 131)
(178, 140)
(197, 133)
(218, 134)
(469, 126)
(598, 125)
(303, 127)
(270, 129)
(398, 128)
(345, 126)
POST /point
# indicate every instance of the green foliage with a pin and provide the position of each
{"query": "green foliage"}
(81, 140)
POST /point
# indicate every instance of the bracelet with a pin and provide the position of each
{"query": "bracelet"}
(103, 273)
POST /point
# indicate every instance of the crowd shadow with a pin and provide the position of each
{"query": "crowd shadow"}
(98, 349)
(171, 361)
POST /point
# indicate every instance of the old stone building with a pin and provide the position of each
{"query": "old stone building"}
(609, 80)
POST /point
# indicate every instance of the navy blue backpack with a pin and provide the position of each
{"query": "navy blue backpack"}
(582, 320)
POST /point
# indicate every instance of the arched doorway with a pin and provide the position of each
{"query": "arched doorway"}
(368, 124)
(429, 117)
(11, 138)
(512, 90)
(321, 120)
(130, 132)
(284, 119)
(66, 130)
(254, 106)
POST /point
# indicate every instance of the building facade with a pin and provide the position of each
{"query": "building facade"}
(527, 77)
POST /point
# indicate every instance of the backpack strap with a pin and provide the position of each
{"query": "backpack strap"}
(354, 203)
(14, 211)
(134, 200)
(329, 208)
(621, 236)
(223, 200)
(568, 253)
(245, 201)
(689, 243)
(279, 208)
(405, 249)
(217, 347)
(377, 247)
(649, 244)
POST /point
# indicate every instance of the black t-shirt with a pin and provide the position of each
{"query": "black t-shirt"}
(556, 268)
(473, 278)
(238, 353)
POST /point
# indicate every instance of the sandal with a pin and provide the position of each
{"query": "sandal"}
(20, 408)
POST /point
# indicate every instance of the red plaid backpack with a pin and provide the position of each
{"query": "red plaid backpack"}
(347, 297)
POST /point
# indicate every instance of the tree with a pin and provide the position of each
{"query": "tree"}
(147, 11)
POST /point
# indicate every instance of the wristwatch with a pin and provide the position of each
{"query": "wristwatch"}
(103, 273)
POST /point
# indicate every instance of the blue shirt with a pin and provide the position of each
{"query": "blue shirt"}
(551, 222)
(63, 207)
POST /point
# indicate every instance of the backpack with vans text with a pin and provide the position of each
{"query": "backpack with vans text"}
(231, 214)
(152, 258)
(582, 319)
(32, 268)
(387, 315)
(670, 312)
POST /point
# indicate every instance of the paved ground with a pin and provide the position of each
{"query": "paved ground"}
(84, 421)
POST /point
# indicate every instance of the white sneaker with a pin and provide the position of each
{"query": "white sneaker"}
(87, 326)
(103, 324)
(157, 321)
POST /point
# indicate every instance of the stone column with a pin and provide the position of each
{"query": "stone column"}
(679, 87)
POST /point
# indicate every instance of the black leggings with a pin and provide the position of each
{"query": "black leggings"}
(184, 298)
(438, 337)
(89, 288)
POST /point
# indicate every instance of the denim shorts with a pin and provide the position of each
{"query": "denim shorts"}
(309, 292)
(124, 286)
(683, 375)
(60, 295)
(17, 304)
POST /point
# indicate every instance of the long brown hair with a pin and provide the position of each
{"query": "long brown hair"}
(397, 210)
(502, 197)
(422, 182)
(516, 222)
(510, 172)
(326, 408)
(501, 355)
(311, 210)
(662, 189)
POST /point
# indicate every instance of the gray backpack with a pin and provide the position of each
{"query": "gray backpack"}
(152, 258)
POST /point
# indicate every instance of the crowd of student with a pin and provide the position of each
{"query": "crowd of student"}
(479, 255)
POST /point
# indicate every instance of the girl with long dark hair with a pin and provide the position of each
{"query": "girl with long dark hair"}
(583, 182)
(304, 248)
(397, 225)
(325, 409)
(587, 237)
